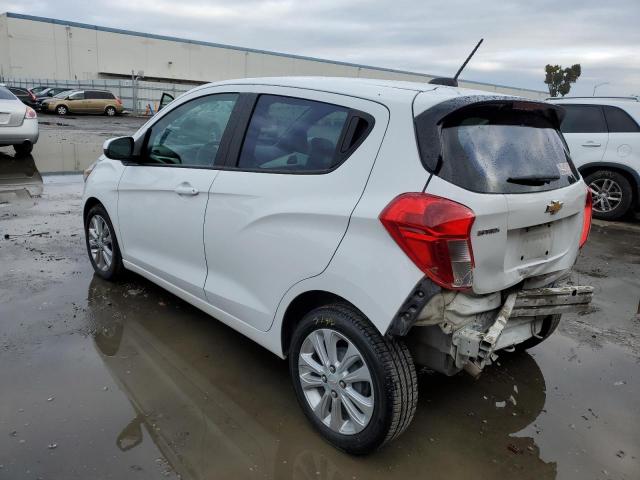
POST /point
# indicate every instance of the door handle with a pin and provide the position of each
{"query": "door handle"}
(186, 189)
(591, 143)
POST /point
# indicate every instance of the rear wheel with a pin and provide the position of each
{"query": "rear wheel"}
(549, 325)
(23, 148)
(110, 111)
(102, 244)
(62, 110)
(611, 192)
(357, 388)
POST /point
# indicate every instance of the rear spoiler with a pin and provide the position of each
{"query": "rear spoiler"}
(429, 123)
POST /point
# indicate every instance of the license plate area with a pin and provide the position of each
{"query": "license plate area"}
(4, 118)
(529, 244)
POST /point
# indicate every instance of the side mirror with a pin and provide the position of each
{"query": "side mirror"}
(120, 148)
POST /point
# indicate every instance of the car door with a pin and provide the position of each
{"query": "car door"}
(278, 211)
(624, 138)
(585, 130)
(77, 102)
(162, 199)
(93, 102)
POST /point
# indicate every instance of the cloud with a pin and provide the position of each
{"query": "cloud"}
(431, 37)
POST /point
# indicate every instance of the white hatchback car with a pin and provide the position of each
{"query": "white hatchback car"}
(603, 134)
(355, 226)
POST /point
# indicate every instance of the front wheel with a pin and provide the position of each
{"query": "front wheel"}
(102, 244)
(356, 387)
(62, 110)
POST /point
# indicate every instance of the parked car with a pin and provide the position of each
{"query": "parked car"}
(24, 95)
(18, 123)
(48, 93)
(36, 90)
(354, 226)
(84, 101)
(603, 134)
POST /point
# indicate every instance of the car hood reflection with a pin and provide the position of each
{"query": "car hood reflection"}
(219, 406)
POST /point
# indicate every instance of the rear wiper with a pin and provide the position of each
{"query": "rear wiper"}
(533, 180)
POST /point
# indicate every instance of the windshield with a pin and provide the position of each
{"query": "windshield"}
(497, 150)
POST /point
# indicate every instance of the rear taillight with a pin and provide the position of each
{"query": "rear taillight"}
(30, 113)
(118, 101)
(32, 96)
(435, 233)
(586, 221)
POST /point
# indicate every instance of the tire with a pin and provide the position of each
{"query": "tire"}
(98, 244)
(110, 112)
(23, 148)
(387, 398)
(62, 110)
(617, 187)
(549, 325)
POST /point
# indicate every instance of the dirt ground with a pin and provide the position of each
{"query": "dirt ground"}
(126, 381)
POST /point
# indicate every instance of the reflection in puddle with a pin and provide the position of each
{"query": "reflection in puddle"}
(218, 406)
(19, 177)
(57, 155)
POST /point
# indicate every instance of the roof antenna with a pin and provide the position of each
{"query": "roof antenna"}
(453, 82)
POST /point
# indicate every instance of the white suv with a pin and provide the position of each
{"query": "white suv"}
(603, 134)
(355, 226)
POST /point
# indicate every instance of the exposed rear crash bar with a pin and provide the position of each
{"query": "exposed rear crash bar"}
(478, 348)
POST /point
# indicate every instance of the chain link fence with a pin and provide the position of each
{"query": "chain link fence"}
(136, 95)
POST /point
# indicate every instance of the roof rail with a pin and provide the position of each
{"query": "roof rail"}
(632, 98)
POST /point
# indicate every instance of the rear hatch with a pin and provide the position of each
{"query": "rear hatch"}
(506, 160)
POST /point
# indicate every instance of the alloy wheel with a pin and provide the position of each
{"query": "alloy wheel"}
(336, 381)
(606, 193)
(100, 243)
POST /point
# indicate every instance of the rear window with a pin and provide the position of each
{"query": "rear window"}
(499, 149)
(6, 94)
(583, 119)
(619, 121)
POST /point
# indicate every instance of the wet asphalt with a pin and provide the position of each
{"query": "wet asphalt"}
(101, 380)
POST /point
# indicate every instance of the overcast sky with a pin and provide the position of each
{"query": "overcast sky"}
(423, 36)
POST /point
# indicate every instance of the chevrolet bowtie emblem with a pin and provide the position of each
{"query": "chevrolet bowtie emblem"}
(554, 207)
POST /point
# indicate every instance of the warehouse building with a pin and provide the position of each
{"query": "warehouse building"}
(44, 48)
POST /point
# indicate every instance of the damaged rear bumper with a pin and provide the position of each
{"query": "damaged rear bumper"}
(460, 331)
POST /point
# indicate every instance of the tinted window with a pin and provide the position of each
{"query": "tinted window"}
(77, 96)
(493, 150)
(190, 134)
(19, 92)
(619, 121)
(583, 119)
(5, 94)
(293, 134)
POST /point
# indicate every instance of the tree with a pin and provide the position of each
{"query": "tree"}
(559, 79)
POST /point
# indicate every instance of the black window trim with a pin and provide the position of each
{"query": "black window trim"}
(139, 158)
(233, 156)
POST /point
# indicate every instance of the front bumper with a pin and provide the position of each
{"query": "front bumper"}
(27, 132)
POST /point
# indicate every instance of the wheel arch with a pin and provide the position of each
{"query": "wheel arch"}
(89, 203)
(302, 304)
(629, 173)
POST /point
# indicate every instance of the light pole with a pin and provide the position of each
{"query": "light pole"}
(598, 85)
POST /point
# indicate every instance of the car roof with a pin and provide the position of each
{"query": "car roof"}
(369, 88)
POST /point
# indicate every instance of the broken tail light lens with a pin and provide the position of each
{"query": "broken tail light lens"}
(30, 113)
(586, 220)
(435, 233)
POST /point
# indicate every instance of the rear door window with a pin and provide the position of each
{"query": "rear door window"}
(583, 119)
(493, 149)
(293, 134)
(619, 121)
